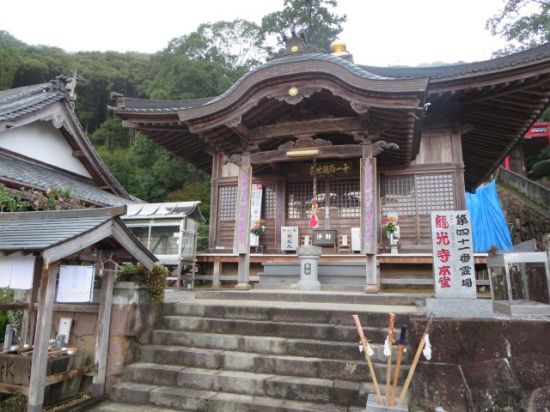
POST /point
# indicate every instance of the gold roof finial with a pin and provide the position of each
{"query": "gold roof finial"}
(338, 48)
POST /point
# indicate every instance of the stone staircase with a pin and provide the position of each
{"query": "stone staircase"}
(238, 356)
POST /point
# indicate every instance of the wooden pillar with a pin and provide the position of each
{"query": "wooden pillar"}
(214, 200)
(103, 328)
(216, 284)
(279, 214)
(42, 337)
(369, 218)
(242, 225)
(28, 324)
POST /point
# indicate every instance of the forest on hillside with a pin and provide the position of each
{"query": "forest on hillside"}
(204, 63)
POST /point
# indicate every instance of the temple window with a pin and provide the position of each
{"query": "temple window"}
(417, 194)
(228, 203)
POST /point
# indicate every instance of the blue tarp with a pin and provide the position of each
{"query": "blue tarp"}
(489, 226)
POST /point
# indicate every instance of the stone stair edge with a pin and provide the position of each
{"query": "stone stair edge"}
(310, 297)
(159, 396)
(147, 355)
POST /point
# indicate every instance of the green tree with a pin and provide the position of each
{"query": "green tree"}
(235, 44)
(192, 191)
(206, 62)
(525, 23)
(11, 50)
(147, 171)
(321, 25)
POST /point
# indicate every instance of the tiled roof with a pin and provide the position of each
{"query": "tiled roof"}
(42, 177)
(160, 106)
(458, 70)
(18, 102)
(15, 232)
(164, 106)
(305, 57)
(60, 232)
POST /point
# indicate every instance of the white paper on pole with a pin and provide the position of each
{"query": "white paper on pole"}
(22, 270)
(75, 284)
(255, 210)
(5, 271)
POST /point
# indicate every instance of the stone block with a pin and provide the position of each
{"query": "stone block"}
(521, 333)
(462, 342)
(299, 388)
(460, 308)
(492, 374)
(373, 405)
(196, 378)
(532, 370)
(83, 324)
(440, 385)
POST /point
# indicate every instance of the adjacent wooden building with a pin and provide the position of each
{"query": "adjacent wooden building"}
(311, 126)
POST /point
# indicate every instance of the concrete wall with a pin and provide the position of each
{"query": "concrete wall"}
(483, 365)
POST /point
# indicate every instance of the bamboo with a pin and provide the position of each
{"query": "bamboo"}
(367, 357)
(415, 361)
(388, 364)
(398, 363)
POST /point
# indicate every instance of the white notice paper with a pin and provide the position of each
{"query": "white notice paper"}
(75, 284)
(22, 269)
(5, 271)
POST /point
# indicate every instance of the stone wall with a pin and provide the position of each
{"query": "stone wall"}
(526, 223)
(132, 323)
(483, 365)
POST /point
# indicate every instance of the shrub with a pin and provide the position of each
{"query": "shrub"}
(155, 280)
(541, 169)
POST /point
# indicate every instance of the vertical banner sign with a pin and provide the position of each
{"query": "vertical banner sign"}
(368, 206)
(255, 210)
(453, 254)
(242, 221)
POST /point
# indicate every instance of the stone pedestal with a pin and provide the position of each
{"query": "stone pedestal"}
(460, 308)
(374, 406)
(309, 256)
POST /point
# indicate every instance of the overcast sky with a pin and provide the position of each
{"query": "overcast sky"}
(378, 32)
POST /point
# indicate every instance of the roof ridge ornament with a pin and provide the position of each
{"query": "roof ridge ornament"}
(294, 95)
(295, 45)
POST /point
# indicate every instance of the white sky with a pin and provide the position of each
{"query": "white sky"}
(378, 32)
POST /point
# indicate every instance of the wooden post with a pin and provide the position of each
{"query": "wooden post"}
(216, 284)
(369, 218)
(103, 328)
(42, 337)
(28, 324)
(242, 224)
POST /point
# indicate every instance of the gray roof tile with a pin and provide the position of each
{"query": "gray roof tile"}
(42, 177)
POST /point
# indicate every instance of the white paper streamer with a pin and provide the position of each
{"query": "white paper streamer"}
(387, 351)
(427, 351)
(370, 352)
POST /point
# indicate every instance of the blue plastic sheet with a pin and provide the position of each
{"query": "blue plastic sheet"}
(489, 226)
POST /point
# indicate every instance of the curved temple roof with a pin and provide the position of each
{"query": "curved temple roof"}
(492, 104)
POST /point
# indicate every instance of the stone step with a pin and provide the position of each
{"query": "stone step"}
(110, 406)
(338, 391)
(327, 332)
(327, 314)
(272, 345)
(308, 367)
(188, 399)
(311, 297)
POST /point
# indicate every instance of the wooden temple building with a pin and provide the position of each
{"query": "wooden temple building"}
(357, 140)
